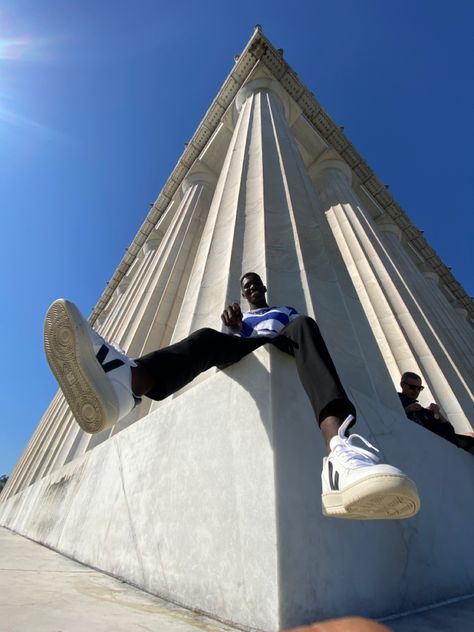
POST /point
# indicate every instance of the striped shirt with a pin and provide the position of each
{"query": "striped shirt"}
(266, 321)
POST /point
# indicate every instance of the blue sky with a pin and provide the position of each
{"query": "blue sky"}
(98, 98)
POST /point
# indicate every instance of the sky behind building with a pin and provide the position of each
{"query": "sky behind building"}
(97, 100)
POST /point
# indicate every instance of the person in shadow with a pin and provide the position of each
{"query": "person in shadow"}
(430, 418)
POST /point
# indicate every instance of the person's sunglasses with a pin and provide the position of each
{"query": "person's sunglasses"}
(414, 386)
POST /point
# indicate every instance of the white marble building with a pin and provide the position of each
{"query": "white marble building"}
(212, 498)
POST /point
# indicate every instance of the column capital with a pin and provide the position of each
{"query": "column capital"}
(428, 272)
(262, 85)
(330, 161)
(206, 178)
(122, 286)
(461, 309)
(100, 320)
(387, 226)
(150, 245)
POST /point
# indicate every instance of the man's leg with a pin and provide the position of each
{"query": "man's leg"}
(302, 339)
(165, 371)
(102, 385)
(465, 442)
(354, 484)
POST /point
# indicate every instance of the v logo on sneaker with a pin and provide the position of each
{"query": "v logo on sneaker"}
(333, 477)
(107, 366)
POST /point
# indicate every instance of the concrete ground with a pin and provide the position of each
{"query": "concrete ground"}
(44, 591)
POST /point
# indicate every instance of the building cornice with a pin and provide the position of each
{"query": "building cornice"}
(260, 50)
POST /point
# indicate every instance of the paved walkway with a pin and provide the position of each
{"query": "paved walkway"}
(43, 591)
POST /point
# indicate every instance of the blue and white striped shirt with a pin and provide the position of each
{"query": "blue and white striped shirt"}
(266, 321)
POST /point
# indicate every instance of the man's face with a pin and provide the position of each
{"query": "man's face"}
(411, 387)
(253, 289)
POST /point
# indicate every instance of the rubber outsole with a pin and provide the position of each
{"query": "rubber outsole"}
(377, 497)
(71, 357)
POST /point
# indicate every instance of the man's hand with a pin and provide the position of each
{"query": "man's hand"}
(232, 316)
(437, 413)
(411, 408)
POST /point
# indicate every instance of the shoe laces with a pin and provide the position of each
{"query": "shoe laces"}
(348, 452)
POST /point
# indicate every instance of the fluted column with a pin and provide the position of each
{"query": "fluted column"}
(152, 299)
(405, 336)
(145, 322)
(452, 318)
(249, 212)
(447, 324)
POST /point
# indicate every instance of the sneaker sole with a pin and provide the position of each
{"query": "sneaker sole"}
(71, 358)
(380, 497)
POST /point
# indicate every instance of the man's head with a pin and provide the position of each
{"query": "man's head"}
(253, 290)
(411, 385)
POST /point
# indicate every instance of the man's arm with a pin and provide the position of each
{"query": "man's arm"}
(409, 406)
(232, 317)
(412, 408)
(437, 413)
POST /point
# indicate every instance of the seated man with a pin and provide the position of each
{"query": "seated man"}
(102, 385)
(431, 417)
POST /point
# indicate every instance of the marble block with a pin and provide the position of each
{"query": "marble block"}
(213, 501)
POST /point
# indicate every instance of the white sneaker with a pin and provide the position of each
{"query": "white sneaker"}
(95, 377)
(354, 486)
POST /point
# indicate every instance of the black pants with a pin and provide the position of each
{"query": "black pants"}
(175, 366)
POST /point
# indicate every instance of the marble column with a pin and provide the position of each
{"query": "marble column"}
(147, 311)
(446, 324)
(406, 337)
(453, 320)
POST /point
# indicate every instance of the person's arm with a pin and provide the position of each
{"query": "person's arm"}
(232, 318)
(412, 408)
(437, 413)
